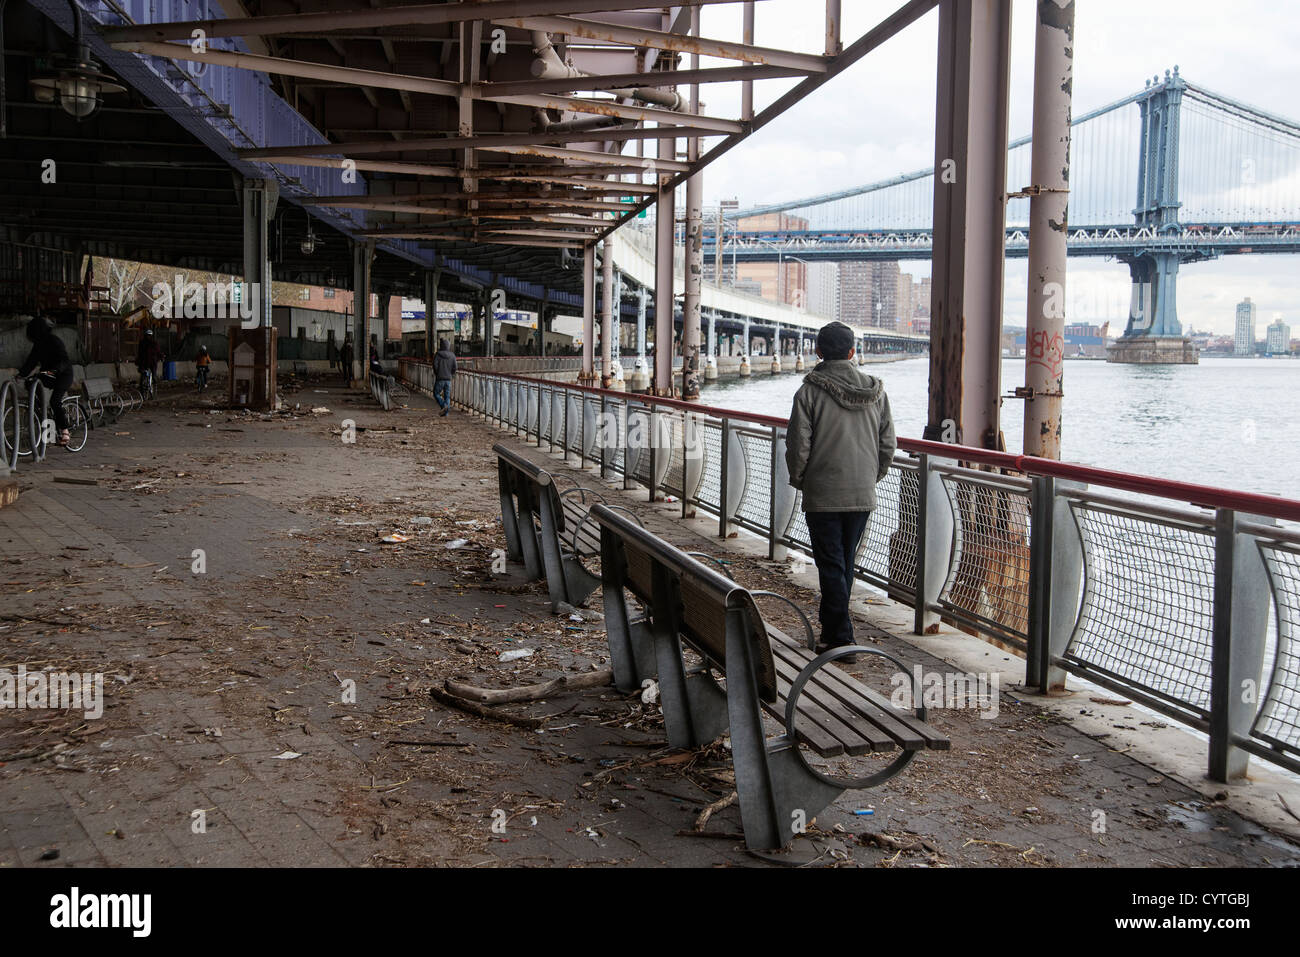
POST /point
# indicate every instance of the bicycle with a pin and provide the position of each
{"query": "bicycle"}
(146, 389)
(200, 378)
(32, 417)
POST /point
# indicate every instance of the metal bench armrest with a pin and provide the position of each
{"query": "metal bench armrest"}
(807, 624)
(792, 702)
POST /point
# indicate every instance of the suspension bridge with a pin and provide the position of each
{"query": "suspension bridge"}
(1173, 174)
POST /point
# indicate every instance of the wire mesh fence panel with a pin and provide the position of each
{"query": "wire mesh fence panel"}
(755, 509)
(709, 495)
(1147, 613)
(1278, 721)
(638, 443)
(613, 432)
(672, 438)
(988, 580)
(888, 552)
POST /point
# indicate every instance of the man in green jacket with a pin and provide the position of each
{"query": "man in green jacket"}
(838, 446)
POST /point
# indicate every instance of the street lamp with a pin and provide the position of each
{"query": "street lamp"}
(76, 82)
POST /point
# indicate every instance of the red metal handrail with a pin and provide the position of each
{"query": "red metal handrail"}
(1204, 495)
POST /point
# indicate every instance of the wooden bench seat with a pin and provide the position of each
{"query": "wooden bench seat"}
(687, 603)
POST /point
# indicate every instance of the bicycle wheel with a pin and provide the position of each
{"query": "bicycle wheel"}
(78, 424)
(10, 424)
(38, 413)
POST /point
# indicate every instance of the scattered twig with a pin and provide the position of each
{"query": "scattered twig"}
(713, 808)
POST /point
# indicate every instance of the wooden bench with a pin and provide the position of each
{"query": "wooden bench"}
(548, 530)
(822, 708)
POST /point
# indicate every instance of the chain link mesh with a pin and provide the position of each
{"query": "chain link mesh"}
(888, 552)
(710, 491)
(1279, 718)
(1147, 614)
(756, 502)
(989, 576)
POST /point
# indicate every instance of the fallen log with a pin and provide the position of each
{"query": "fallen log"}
(534, 692)
(463, 704)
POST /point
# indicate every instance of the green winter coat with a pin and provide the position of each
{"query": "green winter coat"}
(841, 438)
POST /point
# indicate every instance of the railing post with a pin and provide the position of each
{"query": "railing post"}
(653, 423)
(934, 531)
(1042, 500)
(1241, 603)
(723, 461)
(600, 434)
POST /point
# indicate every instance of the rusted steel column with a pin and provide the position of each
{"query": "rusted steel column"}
(607, 312)
(969, 222)
(694, 247)
(1048, 227)
(665, 212)
(588, 313)
(747, 38)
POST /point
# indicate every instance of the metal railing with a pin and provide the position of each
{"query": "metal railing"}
(1167, 602)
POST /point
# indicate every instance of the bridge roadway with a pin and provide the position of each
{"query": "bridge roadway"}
(212, 678)
(1189, 240)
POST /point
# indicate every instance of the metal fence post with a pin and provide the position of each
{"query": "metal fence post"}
(1042, 498)
(935, 521)
(602, 438)
(1241, 603)
(722, 478)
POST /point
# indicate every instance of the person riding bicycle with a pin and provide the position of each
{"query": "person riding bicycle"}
(202, 366)
(50, 356)
(147, 357)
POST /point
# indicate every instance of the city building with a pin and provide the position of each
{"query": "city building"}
(1244, 339)
(1277, 337)
(824, 290)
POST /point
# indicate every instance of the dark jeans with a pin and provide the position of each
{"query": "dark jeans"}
(835, 537)
(442, 392)
(58, 384)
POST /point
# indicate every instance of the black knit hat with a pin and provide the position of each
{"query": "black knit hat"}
(835, 340)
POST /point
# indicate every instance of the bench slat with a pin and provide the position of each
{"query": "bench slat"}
(909, 731)
(853, 735)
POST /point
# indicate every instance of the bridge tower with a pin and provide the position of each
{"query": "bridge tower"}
(1153, 333)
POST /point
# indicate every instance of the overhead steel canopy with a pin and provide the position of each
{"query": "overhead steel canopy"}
(500, 136)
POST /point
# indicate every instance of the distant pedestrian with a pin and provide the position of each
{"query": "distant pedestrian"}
(839, 444)
(345, 358)
(444, 370)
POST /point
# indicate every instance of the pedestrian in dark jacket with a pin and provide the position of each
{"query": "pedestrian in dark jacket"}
(50, 357)
(444, 370)
(839, 444)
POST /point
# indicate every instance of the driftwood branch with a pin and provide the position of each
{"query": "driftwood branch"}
(713, 808)
(482, 711)
(535, 692)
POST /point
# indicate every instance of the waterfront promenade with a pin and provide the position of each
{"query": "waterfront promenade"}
(279, 696)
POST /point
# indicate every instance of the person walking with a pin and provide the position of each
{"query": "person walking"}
(444, 370)
(839, 444)
(345, 358)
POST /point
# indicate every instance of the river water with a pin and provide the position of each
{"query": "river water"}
(1227, 422)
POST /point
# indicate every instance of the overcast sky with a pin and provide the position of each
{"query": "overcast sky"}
(877, 120)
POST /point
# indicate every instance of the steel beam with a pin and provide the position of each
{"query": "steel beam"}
(259, 197)
(588, 312)
(694, 260)
(615, 132)
(363, 256)
(607, 306)
(660, 40)
(1048, 228)
(368, 19)
(969, 222)
(665, 211)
